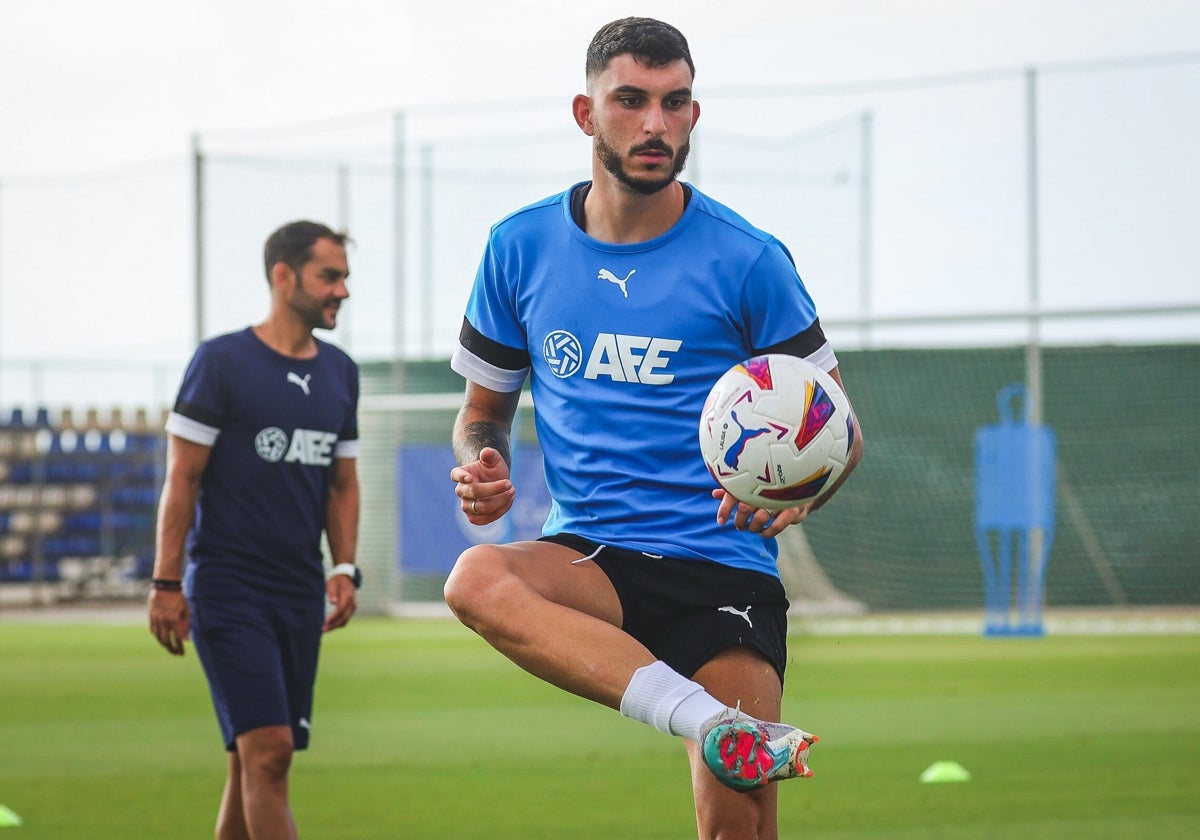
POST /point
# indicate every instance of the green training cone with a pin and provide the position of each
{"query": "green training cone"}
(8, 817)
(945, 771)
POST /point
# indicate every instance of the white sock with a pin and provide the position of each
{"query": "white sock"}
(671, 703)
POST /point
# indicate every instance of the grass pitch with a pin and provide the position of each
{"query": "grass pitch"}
(423, 731)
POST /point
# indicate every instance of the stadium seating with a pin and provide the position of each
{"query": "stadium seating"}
(78, 500)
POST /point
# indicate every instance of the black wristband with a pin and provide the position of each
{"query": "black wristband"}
(167, 584)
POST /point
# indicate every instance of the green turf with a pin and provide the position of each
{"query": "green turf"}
(422, 731)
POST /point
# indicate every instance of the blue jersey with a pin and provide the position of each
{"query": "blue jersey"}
(622, 344)
(275, 425)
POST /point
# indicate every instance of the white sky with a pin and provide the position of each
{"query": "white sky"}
(87, 86)
(96, 84)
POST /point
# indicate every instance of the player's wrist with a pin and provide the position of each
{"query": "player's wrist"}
(350, 570)
(166, 584)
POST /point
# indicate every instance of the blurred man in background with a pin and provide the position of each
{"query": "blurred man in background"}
(261, 455)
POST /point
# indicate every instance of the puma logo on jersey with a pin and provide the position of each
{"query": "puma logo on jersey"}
(605, 274)
(295, 379)
(735, 611)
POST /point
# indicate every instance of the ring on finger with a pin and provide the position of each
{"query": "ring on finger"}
(474, 502)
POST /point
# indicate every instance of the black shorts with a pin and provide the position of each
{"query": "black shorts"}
(688, 611)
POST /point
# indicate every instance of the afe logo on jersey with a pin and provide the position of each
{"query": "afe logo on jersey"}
(621, 358)
(563, 353)
(306, 446)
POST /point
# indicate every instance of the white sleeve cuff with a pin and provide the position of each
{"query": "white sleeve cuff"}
(472, 368)
(824, 357)
(192, 430)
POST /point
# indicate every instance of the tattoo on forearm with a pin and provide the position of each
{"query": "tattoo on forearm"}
(478, 434)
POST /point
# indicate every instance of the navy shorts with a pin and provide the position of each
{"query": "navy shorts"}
(688, 611)
(261, 663)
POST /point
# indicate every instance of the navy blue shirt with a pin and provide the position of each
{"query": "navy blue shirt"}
(275, 425)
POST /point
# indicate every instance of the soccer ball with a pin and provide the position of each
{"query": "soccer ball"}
(776, 431)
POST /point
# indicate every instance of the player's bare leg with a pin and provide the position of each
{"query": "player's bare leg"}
(231, 822)
(558, 619)
(739, 675)
(265, 756)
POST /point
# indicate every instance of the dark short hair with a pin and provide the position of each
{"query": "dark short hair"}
(293, 243)
(651, 42)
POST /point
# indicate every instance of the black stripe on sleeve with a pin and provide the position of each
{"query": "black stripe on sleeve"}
(802, 344)
(492, 352)
(194, 412)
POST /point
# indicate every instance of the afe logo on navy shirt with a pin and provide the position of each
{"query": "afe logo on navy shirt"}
(621, 358)
(307, 446)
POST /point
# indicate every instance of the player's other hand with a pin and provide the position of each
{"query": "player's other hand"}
(170, 619)
(340, 591)
(483, 487)
(768, 523)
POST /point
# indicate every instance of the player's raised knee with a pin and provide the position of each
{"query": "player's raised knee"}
(468, 588)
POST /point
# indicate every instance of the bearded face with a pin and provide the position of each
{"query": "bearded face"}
(648, 180)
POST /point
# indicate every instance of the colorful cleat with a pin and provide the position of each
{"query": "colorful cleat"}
(745, 753)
